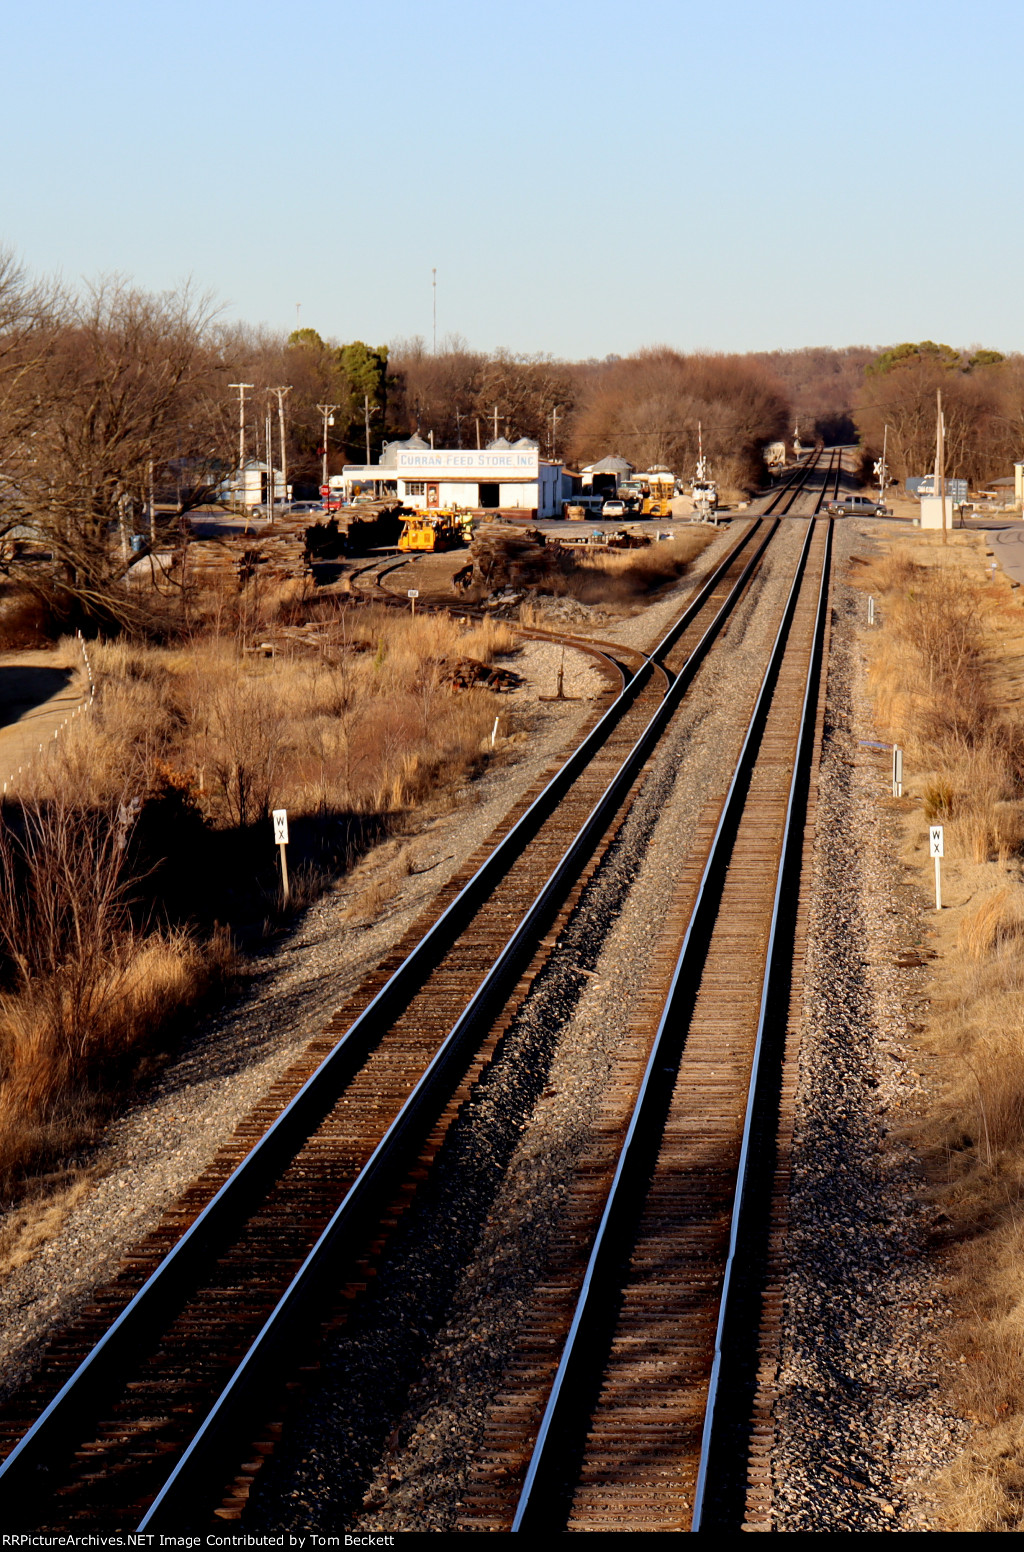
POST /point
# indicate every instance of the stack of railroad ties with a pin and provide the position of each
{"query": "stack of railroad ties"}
(281, 551)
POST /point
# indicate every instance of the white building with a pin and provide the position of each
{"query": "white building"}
(614, 469)
(252, 488)
(500, 477)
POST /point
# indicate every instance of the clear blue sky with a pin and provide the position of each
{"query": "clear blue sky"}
(587, 176)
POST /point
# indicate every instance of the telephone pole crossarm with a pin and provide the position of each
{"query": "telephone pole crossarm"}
(240, 482)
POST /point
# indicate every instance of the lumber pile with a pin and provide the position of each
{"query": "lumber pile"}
(468, 673)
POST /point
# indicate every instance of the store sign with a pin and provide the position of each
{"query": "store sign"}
(479, 464)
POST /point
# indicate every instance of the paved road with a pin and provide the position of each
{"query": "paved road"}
(1008, 546)
(38, 693)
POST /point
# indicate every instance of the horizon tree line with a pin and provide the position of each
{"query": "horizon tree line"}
(115, 401)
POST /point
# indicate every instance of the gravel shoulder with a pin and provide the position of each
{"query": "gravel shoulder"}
(56, 1250)
(859, 1418)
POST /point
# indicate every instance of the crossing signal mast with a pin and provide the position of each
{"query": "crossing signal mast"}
(881, 468)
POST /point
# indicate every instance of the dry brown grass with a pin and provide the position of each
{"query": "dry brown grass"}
(931, 677)
(37, 1219)
(86, 995)
(935, 669)
(626, 577)
(362, 725)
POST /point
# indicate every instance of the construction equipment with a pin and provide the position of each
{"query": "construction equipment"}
(650, 494)
(439, 530)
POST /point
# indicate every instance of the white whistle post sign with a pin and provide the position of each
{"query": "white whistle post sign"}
(936, 847)
(280, 817)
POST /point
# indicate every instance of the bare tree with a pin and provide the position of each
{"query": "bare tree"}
(127, 388)
(647, 407)
(983, 408)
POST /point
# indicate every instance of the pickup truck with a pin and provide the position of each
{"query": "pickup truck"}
(856, 506)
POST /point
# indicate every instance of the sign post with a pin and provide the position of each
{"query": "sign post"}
(935, 836)
(897, 771)
(412, 594)
(280, 817)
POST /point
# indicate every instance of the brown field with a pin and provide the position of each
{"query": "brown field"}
(114, 920)
(946, 667)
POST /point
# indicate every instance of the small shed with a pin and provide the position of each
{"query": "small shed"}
(606, 475)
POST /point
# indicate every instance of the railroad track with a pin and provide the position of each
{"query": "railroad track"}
(161, 1390)
(648, 1413)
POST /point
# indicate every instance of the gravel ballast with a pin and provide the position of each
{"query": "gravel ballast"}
(386, 1439)
(58, 1252)
(860, 1424)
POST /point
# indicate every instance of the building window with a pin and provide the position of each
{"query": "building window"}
(415, 488)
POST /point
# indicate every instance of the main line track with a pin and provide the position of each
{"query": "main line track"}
(157, 1389)
(648, 1418)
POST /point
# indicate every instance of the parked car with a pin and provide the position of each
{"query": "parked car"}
(285, 508)
(857, 506)
(614, 508)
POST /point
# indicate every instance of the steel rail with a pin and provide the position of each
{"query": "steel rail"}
(200, 1462)
(835, 468)
(772, 1015)
(160, 1297)
(589, 1331)
(609, 654)
(792, 487)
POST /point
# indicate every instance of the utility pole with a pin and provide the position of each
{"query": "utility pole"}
(366, 422)
(270, 463)
(280, 426)
(554, 428)
(459, 417)
(495, 422)
(284, 457)
(940, 461)
(241, 435)
(433, 274)
(298, 315)
(327, 411)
